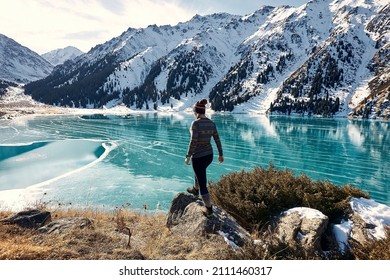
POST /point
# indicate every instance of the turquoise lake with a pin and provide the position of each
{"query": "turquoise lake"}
(137, 160)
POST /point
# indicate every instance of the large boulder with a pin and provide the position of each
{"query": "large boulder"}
(186, 217)
(29, 219)
(302, 227)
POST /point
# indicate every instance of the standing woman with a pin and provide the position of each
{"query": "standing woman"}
(200, 152)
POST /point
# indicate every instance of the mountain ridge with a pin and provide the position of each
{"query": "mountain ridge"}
(20, 64)
(314, 59)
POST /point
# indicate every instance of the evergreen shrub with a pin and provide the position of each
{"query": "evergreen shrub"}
(255, 197)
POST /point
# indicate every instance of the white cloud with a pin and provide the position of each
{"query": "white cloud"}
(45, 25)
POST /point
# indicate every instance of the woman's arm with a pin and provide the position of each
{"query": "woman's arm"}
(193, 141)
(219, 145)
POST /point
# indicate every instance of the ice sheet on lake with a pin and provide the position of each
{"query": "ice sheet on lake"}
(30, 164)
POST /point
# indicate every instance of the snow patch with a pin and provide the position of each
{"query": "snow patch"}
(305, 212)
(373, 213)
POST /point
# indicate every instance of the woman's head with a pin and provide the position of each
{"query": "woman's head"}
(200, 107)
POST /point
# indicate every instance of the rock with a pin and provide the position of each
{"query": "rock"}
(66, 224)
(178, 206)
(303, 227)
(29, 219)
(360, 230)
(364, 225)
(186, 217)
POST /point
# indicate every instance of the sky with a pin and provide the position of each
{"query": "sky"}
(45, 25)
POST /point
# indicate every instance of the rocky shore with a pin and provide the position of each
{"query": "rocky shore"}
(185, 233)
(14, 103)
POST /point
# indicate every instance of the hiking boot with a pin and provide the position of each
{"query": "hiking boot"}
(209, 212)
(193, 191)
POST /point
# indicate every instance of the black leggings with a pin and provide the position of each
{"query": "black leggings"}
(200, 165)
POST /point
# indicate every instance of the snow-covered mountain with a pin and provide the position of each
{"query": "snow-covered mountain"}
(325, 57)
(340, 69)
(378, 101)
(59, 56)
(20, 64)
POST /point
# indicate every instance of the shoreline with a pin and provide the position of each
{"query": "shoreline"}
(15, 112)
(15, 104)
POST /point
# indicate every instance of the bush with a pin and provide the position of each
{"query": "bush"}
(255, 197)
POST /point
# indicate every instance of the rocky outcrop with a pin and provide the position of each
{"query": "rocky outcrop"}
(364, 225)
(186, 217)
(302, 227)
(29, 219)
(42, 222)
(63, 225)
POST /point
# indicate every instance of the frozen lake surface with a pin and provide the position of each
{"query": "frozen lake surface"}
(137, 160)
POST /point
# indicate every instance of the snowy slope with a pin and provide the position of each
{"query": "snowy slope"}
(336, 76)
(314, 59)
(20, 64)
(59, 56)
(311, 59)
(377, 103)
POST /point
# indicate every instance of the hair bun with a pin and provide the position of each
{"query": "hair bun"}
(203, 101)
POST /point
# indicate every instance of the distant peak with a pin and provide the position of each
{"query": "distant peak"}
(59, 56)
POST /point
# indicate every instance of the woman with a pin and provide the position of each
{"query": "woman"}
(200, 152)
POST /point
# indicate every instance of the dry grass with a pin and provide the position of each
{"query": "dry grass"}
(108, 238)
(252, 197)
(374, 249)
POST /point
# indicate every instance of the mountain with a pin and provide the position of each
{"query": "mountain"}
(340, 71)
(323, 58)
(378, 101)
(20, 64)
(59, 56)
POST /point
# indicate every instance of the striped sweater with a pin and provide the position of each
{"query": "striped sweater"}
(202, 129)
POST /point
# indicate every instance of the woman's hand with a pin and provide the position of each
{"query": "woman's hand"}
(220, 159)
(187, 160)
